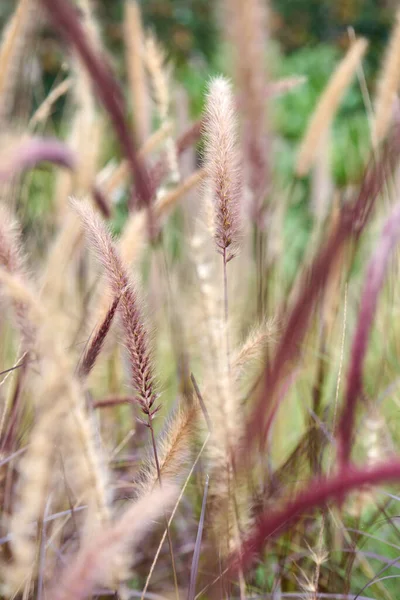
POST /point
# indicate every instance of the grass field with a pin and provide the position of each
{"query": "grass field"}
(199, 350)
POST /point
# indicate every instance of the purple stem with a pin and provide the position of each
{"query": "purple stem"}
(65, 18)
(352, 222)
(37, 150)
(316, 494)
(372, 286)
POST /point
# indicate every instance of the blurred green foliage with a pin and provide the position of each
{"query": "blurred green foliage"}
(309, 22)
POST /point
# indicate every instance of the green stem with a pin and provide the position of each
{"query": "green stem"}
(171, 550)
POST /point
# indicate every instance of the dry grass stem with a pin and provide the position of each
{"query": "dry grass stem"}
(388, 85)
(328, 104)
(134, 57)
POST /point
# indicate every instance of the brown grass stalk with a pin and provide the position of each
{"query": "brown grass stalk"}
(134, 58)
(328, 104)
(159, 75)
(16, 38)
(246, 29)
(388, 85)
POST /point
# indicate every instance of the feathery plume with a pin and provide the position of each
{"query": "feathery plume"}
(328, 104)
(93, 564)
(174, 450)
(135, 332)
(222, 165)
(254, 347)
(134, 57)
(37, 471)
(246, 29)
(96, 344)
(58, 256)
(13, 261)
(155, 61)
(388, 85)
(134, 236)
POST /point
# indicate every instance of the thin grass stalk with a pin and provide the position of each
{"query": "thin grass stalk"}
(134, 58)
(43, 111)
(388, 85)
(170, 545)
(226, 310)
(16, 37)
(143, 596)
(197, 547)
(246, 26)
(327, 106)
(220, 396)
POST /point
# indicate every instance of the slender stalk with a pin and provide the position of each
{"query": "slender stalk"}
(171, 550)
(226, 308)
(258, 262)
(196, 553)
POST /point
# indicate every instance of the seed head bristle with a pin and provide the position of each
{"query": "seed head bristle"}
(134, 328)
(222, 164)
(173, 449)
(14, 262)
(96, 344)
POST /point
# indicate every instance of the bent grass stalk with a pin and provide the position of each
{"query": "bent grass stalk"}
(317, 494)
